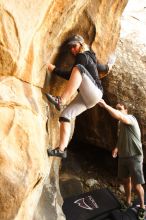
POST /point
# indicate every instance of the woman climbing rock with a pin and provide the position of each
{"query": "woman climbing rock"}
(83, 78)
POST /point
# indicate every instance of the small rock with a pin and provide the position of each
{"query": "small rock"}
(121, 189)
(91, 182)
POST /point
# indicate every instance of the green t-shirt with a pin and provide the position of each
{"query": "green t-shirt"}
(129, 139)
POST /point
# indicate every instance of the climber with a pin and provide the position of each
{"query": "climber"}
(83, 78)
(129, 150)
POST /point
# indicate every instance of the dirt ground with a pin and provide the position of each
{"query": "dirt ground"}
(88, 168)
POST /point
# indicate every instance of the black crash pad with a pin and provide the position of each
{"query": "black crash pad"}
(94, 205)
(129, 214)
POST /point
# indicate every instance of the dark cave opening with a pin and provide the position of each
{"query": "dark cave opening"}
(85, 163)
(88, 159)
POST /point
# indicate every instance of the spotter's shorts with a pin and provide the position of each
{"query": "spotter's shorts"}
(131, 167)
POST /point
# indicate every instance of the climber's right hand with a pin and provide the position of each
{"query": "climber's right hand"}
(51, 67)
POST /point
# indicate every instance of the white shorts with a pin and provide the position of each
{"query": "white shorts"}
(89, 95)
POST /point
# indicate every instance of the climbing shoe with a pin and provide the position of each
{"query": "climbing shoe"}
(141, 214)
(55, 100)
(57, 153)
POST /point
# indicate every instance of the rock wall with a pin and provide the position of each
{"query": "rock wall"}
(31, 33)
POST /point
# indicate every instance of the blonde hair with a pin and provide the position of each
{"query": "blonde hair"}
(84, 47)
